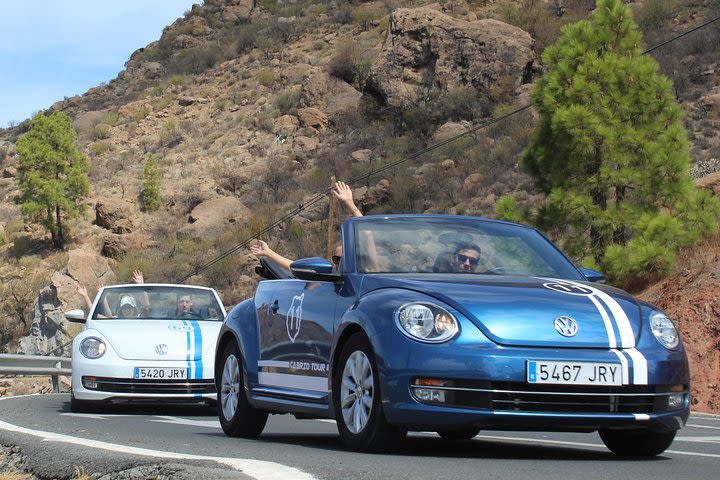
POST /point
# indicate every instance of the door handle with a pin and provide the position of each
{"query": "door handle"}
(275, 306)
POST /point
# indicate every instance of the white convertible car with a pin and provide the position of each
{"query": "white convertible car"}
(148, 342)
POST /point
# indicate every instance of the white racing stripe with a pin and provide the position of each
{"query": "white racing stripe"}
(612, 341)
(258, 469)
(625, 368)
(627, 336)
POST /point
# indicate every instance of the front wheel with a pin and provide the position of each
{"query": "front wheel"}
(636, 443)
(356, 397)
(237, 417)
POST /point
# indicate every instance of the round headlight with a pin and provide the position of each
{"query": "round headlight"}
(664, 330)
(426, 322)
(92, 347)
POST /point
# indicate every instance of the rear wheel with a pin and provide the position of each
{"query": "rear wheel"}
(458, 435)
(356, 397)
(237, 417)
(636, 443)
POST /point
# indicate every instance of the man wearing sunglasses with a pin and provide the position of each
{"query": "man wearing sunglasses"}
(466, 258)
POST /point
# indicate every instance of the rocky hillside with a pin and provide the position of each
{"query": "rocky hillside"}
(251, 106)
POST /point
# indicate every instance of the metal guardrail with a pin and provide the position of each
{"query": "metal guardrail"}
(36, 365)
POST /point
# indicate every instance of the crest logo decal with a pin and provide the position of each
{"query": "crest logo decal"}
(181, 328)
(294, 317)
(566, 326)
(161, 349)
(569, 288)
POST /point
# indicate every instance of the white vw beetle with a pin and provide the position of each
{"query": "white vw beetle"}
(151, 342)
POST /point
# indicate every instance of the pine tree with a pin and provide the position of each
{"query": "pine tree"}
(151, 184)
(52, 174)
(611, 151)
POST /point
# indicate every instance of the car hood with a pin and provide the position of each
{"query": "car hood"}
(524, 311)
(143, 339)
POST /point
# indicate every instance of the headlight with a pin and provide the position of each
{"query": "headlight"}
(92, 347)
(426, 322)
(664, 330)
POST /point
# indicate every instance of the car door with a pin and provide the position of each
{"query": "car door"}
(295, 337)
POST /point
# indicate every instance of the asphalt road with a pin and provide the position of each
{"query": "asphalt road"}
(123, 437)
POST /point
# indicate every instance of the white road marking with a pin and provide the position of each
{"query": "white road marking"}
(715, 439)
(703, 426)
(258, 469)
(592, 445)
(96, 416)
(186, 421)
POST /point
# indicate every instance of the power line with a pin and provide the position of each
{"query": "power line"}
(366, 176)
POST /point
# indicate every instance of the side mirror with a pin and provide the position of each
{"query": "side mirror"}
(314, 269)
(593, 276)
(76, 315)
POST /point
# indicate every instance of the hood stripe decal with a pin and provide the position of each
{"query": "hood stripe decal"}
(640, 369)
(625, 367)
(606, 320)
(627, 337)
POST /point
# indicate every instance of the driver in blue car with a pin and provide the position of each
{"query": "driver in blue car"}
(465, 259)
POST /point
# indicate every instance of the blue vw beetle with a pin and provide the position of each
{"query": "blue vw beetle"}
(451, 324)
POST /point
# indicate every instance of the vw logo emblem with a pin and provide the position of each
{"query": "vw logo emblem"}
(566, 326)
(161, 349)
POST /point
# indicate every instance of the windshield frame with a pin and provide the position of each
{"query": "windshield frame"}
(537, 243)
(158, 302)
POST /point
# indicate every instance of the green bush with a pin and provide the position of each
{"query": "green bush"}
(351, 62)
(195, 60)
(288, 101)
(102, 131)
(151, 184)
(266, 77)
(99, 147)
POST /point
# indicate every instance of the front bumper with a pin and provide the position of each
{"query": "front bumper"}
(95, 381)
(485, 385)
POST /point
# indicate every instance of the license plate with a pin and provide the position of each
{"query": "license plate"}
(574, 373)
(160, 373)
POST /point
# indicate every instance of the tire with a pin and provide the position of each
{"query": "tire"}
(636, 443)
(356, 399)
(459, 435)
(237, 417)
(81, 406)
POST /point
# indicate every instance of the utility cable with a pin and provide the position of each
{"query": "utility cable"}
(366, 176)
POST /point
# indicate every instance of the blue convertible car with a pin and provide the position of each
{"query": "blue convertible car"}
(451, 324)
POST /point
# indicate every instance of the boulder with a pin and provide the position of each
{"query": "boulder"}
(361, 156)
(286, 125)
(112, 215)
(328, 94)
(117, 245)
(88, 268)
(425, 49)
(48, 331)
(213, 216)
(312, 117)
(237, 11)
(378, 194)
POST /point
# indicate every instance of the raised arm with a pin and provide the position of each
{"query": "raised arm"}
(261, 249)
(82, 291)
(139, 278)
(343, 193)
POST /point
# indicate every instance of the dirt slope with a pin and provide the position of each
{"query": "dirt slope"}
(690, 297)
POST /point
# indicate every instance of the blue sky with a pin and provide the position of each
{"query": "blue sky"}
(52, 49)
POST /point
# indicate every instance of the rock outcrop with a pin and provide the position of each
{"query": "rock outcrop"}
(427, 51)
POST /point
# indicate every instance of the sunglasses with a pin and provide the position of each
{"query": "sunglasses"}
(464, 258)
(336, 259)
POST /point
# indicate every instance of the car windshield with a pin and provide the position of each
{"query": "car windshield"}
(460, 245)
(158, 302)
